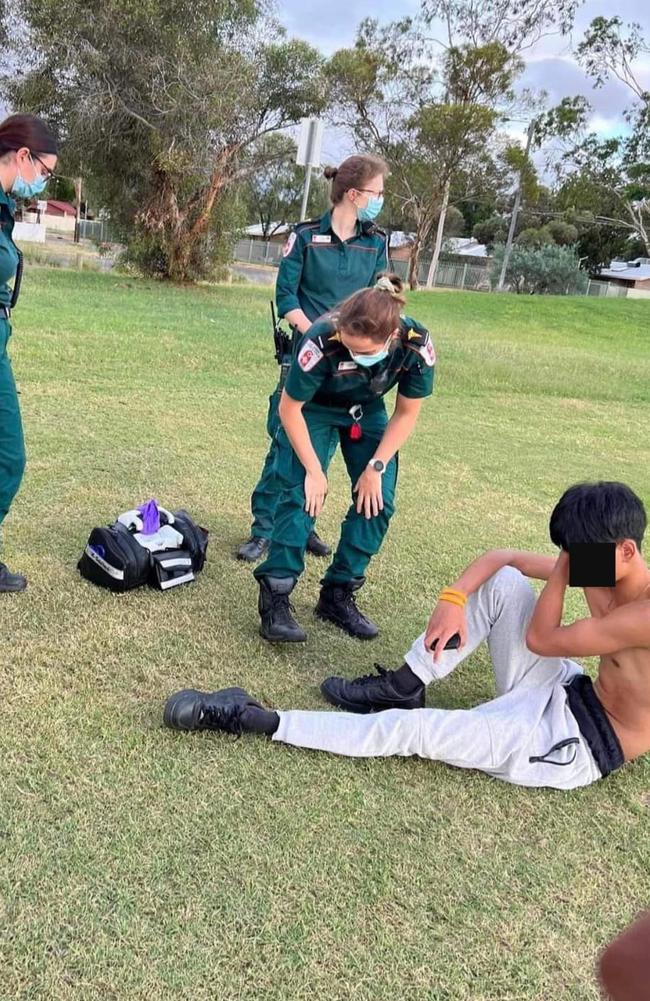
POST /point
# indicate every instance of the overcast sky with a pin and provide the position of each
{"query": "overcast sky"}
(550, 65)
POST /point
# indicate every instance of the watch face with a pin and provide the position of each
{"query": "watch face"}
(378, 465)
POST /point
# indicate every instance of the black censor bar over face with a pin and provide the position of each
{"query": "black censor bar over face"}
(592, 564)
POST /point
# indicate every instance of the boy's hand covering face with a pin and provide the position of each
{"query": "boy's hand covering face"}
(592, 564)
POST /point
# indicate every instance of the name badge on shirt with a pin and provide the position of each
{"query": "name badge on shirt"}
(321, 238)
(347, 366)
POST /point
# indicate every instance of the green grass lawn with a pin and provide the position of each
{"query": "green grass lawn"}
(139, 863)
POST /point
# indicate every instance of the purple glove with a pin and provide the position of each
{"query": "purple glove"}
(150, 517)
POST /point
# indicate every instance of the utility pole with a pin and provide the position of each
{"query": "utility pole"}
(515, 209)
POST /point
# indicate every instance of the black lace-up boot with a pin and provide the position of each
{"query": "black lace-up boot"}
(337, 605)
(278, 624)
(253, 549)
(316, 546)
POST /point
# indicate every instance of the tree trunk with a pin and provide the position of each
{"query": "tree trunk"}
(180, 228)
(414, 263)
(433, 267)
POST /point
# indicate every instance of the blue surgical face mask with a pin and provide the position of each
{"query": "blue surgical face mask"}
(28, 189)
(371, 210)
(367, 361)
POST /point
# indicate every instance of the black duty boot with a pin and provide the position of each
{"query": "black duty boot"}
(371, 693)
(337, 605)
(278, 624)
(253, 549)
(316, 546)
(194, 710)
(11, 582)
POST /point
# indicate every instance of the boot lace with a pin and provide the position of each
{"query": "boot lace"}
(372, 679)
(226, 718)
(283, 610)
(351, 607)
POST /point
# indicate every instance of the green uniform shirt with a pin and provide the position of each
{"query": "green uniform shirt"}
(318, 270)
(323, 371)
(8, 251)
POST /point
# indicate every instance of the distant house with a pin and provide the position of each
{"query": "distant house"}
(59, 208)
(278, 230)
(464, 246)
(629, 274)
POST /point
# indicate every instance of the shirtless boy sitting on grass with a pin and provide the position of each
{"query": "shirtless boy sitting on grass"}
(549, 725)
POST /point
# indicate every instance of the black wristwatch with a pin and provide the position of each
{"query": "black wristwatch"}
(377, 465)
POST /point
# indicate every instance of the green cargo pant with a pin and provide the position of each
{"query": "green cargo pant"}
(360, 537)
(264, 499)
(12, 445)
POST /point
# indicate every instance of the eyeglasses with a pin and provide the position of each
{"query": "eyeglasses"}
(377, 194)
(48, 174)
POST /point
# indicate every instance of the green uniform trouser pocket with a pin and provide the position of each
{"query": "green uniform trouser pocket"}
(12, 445)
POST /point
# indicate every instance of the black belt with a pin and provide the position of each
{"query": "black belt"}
(594, 724)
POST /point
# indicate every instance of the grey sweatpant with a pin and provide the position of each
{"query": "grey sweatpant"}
(527, 735)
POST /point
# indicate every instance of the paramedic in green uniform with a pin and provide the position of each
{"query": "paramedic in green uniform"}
(323, 262)
(342, 369)
(28, 154)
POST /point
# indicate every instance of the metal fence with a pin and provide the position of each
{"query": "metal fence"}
(258, 252)
(606, 288)
(449, 274)
(98, 230)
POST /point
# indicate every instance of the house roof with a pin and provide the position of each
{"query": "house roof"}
(65, 207)
(637, 270)
(276, 229)
(464, 246)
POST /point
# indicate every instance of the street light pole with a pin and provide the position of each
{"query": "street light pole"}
(515, 210)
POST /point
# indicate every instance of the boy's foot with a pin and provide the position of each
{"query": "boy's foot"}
(277, 622)
(371, 693)
(253, 550)
(316, 546)
(11, 582)
(231, 710)
(337, 605)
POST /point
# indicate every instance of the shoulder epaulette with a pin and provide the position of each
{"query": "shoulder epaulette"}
(330, 337)
(370, 228)
(305, 224)
(415, 336)
(420, 342)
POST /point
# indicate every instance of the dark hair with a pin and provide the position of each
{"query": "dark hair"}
(355, 172)
(372, 312)
(27, 130)
(597, 512)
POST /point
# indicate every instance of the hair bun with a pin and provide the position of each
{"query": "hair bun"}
(330, 173)
(392, 284)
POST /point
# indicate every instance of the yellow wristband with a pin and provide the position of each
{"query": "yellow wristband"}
(452, 599)
(452, 590)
